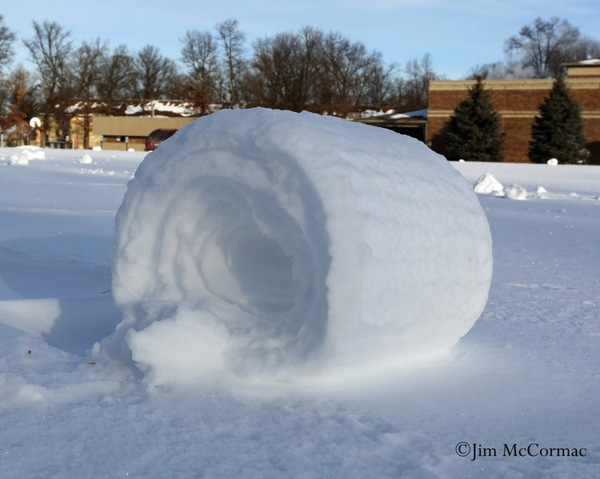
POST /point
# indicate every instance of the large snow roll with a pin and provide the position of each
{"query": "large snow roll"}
(260, 241)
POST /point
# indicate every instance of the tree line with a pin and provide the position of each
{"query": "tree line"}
(289, 70)
(540, 50)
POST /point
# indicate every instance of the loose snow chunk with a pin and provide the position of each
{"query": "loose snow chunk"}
(488, 185)
(187, 347)
(24, 154)
(516, 192)
(541, 191)
(258, 242)
(85, 159)
(552, 162)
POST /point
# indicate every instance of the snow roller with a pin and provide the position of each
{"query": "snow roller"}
(264, 242)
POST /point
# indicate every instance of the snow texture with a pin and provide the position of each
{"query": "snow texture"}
(261, 242)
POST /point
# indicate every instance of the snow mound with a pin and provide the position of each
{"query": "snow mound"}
(85, 159)
(25, 154)
(488, 185)
(259, 243)
(541, 191)
(516, 192)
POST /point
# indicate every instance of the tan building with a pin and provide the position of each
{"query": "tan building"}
(123, 133)
(518, 103)
(127, 129)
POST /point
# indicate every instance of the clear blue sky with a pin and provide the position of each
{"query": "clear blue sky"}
(458, 34)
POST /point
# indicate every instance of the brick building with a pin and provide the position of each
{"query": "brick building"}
(518, 103)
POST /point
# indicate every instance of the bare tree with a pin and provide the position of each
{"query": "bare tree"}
(199, 55)
(585, 49)
(7, 39)
(546, 45)
(153, 75)
(346, 69)
(232, 41)
(50, 49)
(285, 69)
(86, 68)
(414, 86)
(381, 86)
(88, 62)
(116, 78)
(310, 68)
(499, 70)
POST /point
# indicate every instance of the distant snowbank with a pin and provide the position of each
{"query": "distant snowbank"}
(259, 242)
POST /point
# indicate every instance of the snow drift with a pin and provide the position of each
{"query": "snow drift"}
(261, 242)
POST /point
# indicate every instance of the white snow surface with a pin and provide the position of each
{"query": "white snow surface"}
(300, 243)
(526, 375)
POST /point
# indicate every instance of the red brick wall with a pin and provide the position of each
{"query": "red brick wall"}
(518, 106)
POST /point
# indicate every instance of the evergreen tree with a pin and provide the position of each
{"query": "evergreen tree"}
(473, 132)
(558, 131)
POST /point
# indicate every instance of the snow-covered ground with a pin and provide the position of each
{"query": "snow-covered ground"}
(523, 382)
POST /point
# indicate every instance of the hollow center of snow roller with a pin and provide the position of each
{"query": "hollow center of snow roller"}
(246, 251)
(246, 268)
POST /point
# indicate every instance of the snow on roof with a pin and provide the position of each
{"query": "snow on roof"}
(591, 61)
(176, 108)
(374, 113)
(133, 109)
(143, 107)
(411, 114)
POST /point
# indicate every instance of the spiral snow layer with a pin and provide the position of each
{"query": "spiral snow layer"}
(259, 241)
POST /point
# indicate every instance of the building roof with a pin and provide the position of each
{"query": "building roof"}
(592, 62)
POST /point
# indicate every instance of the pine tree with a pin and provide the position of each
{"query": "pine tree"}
(473, 132)
(558, 131)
